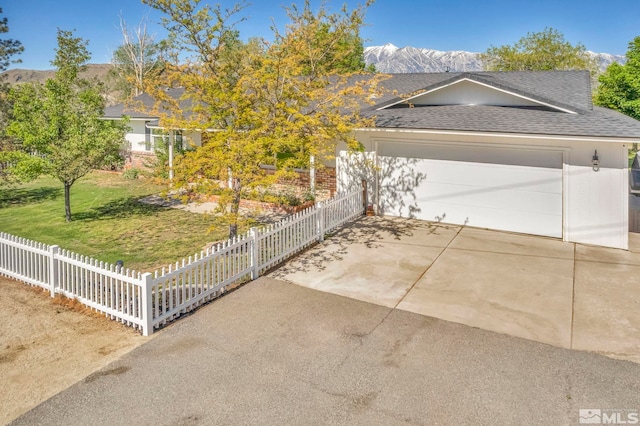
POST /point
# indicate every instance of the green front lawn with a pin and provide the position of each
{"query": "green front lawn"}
(109, 223)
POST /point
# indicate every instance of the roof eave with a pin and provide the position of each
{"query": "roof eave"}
(606, 139)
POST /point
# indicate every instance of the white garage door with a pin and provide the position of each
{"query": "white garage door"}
(508, 189)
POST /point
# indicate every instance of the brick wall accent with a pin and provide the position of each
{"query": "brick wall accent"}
(140, 160)
(325, 181)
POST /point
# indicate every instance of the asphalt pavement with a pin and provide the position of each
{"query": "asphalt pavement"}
(272, 352)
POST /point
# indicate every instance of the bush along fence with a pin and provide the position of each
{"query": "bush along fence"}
(146, 301)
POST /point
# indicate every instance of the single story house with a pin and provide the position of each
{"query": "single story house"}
(146, 134)
(525, 152)
(517, 151)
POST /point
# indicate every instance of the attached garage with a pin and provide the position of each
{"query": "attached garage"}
(490, 187)
(523, 152)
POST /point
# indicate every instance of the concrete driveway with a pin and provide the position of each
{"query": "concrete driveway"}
(564, 294)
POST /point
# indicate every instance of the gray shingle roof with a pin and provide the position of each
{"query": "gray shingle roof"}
(485, 118)
(567, 89)
(570, 90)
(139, 108)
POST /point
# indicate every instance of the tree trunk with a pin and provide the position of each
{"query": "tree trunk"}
(233, 230)
(67, 201)
(235, 208)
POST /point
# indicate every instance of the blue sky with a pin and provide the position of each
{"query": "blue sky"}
(602, 26)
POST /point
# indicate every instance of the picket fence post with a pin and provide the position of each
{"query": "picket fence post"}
(320, 218)
(53, 269)
(147, 304)
(253, 256)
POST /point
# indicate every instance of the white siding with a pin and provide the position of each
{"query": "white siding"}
(192, 139)
(352, 168)
(466, 92)
(598, 201)
(136, 136)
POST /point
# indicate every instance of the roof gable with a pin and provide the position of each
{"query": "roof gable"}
(565, 91)
(467, 91)
(517, 102)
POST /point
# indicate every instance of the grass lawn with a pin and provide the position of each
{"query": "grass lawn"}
(109, 223)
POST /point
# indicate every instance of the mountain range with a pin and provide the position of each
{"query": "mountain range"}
(386, 59)
(393, 59)
(20, 75)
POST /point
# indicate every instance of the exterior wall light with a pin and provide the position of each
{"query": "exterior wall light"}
(595, 162)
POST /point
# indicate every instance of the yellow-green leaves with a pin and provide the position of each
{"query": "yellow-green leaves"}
(258, 102)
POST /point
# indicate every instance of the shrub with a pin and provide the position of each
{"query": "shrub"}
(131, 173)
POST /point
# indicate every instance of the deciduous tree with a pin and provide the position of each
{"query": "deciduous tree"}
(136, 61)
(542, 51)
(619, 86)
(335, 50)
(61, 119)
(297, 94)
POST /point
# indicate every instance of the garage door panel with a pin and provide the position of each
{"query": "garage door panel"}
(498, 198)
(446, 197)
(514, 197)
(471, 154)
(485, 175)
(528, 222)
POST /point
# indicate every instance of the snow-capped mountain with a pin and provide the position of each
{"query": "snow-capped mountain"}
(392, 59)
(606, 59)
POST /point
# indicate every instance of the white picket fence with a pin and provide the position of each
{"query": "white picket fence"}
(147, 301)
(104, 287)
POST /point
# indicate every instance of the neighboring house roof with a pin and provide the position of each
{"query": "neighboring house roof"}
(544, 102)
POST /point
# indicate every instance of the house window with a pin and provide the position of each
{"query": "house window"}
(178, 144)
(147, 137)
(159, 140)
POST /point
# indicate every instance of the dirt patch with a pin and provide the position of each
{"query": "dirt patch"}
(46, 345)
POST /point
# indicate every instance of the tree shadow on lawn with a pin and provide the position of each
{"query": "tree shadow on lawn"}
(367, 231)
(21, 196)
(119, 209)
